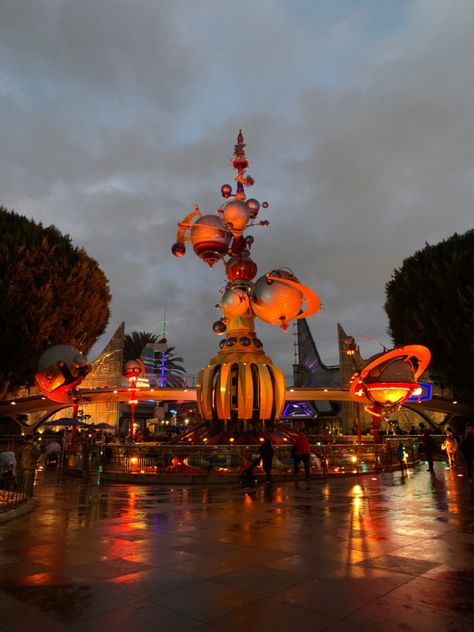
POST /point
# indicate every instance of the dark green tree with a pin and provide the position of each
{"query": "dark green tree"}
(430, 301)
(51, 292)
(134, 345)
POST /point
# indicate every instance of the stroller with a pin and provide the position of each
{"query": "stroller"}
(52, 460)
(247, 476)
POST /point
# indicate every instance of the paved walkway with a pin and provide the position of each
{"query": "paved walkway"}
(387, 554)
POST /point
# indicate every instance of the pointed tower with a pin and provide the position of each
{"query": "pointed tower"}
(241, 383)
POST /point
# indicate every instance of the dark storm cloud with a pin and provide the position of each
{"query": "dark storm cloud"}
(116, 117)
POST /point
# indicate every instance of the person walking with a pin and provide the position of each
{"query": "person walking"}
(402, 456)
(428, 446)
(28, 454)
(267, 453)
(301, 451)
(451, 446)
(467, 449)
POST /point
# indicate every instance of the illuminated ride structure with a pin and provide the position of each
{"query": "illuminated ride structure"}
(388, 380)
(241, 388)
(241, 393)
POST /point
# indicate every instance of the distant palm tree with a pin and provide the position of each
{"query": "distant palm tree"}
(174, 370)
(134, 343)
(134, 346)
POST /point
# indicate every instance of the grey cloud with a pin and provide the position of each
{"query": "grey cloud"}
(118, 117)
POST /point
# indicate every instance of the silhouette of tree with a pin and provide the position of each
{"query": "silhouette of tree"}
(51, 292)
(430, 300)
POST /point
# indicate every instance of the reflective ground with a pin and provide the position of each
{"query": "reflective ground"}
(383, 554)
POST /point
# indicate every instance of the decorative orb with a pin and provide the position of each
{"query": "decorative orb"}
(249, 240)
(275, 302)
(221, 344)
(397, 370)
(132, 369)
(219, 328)
(264, 204)
(245, 341)
(60, 369)
(254, 206)
(390, 383)
(258, 343)
(235, 302)
(241, 268)
(178, 249)
(210, 239)
(237, 213)
(230, 342)
(226, 190)
(240, 162)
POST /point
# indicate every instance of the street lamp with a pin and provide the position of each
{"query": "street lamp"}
(132, 370)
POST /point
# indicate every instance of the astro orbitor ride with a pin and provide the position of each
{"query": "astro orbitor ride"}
(241, 383)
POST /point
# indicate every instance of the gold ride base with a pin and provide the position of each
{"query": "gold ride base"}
(241, 384)
(236, 433)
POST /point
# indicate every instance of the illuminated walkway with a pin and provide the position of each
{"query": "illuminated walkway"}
(385, 555)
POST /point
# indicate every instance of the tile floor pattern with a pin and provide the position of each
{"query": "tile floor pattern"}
(385, 554)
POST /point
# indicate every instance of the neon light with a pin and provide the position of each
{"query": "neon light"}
(298, 409)
(426, 393)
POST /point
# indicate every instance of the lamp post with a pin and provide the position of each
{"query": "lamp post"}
(132, 370)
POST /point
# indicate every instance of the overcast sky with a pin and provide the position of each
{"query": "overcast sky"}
(117, 116)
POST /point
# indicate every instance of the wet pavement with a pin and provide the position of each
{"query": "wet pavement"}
(381, 553)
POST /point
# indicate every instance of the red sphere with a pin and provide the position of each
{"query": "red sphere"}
(241, 268)
(178, 249)
(254, 206)
(226, 190)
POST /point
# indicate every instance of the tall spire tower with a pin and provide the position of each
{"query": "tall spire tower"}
(241, 383)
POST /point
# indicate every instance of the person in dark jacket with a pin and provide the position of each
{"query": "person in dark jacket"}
(267, 453)
(428, 447)
(467, 449)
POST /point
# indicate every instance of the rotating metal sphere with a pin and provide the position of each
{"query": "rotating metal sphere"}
(60, 369)
(275, 302)
(241, 268)
(178, 249)
(235, 302)
(237, 213)
(219, 327)
(226, 191)
(254, 206)
(210, 239)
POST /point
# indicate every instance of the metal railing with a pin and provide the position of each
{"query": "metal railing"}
(230, 460)
(16, 490)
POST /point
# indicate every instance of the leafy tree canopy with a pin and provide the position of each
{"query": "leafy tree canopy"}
(430, 301)
(51, 292)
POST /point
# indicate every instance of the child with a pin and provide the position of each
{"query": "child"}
(451, 446)
(402, 456)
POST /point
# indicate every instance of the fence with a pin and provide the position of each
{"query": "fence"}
(16, 490)
(225, 460)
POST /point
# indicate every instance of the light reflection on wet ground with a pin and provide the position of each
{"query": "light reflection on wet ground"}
(381, 553)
